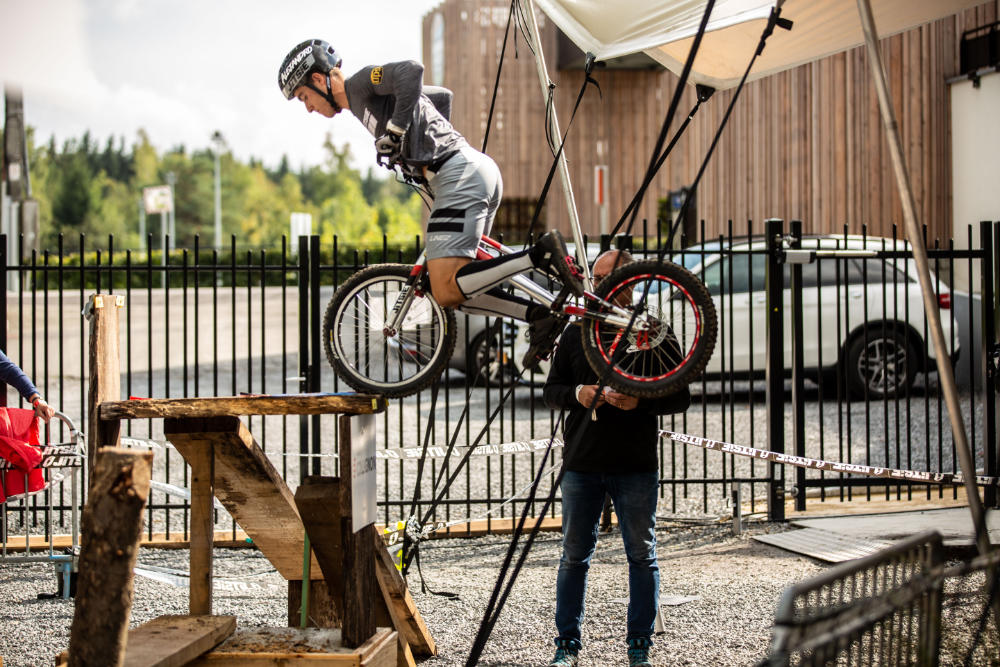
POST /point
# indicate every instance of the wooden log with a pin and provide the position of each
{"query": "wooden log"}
(174, 641)
(236, 406)
(359, 555)
(400, 604)
(249, 487)
(105, 376)
(202, 462)
(318, 502)
(111, 526)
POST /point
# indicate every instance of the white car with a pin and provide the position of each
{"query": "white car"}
(863, 317)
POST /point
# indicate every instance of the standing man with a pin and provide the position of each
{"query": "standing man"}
(610, 449)
(411, 129)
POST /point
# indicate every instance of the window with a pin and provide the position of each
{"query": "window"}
(736, 274)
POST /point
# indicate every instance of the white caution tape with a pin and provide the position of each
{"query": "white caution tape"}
(413, 453)
(826, 466)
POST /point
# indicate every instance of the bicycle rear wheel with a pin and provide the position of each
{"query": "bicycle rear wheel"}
(672, 335)
(370, 357)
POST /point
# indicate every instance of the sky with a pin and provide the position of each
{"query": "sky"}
(185, 68)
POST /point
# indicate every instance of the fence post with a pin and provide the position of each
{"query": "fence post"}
(775, 368)
(989, 242)
(798, 373)
(303, 271)
(315, 346)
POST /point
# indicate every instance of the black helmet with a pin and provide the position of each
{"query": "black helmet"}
(312, 55)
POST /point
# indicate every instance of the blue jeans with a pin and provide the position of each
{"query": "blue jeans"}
(634, 496)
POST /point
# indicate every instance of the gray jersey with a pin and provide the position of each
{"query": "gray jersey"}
(394, 92)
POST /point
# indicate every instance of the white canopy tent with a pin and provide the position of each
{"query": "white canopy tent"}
(666, 29)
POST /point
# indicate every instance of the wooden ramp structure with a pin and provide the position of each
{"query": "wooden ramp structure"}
(227, 463)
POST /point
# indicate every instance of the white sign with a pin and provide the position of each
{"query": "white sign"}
(158, 199)
(363, 471)
(301, 225)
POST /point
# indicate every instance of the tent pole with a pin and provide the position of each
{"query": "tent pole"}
(567, 186)
(946, 373)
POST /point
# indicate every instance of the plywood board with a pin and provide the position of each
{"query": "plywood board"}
(172, 641)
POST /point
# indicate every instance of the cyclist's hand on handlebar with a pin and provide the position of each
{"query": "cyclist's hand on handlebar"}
(389, 148)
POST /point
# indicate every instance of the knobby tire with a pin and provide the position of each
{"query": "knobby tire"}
(655, 364)
(372, 363)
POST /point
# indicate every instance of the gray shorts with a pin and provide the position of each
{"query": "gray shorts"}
(467, 192)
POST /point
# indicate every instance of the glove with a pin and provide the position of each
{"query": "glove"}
(389, 148)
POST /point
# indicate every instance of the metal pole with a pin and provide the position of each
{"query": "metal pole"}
(567, 186)
(218, 203)
(988, 341)
(798, 366)
(775, 369)
(220, 145)
(171, 180)
(946, 373)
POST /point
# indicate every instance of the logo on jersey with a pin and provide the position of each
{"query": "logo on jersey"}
(377, 75)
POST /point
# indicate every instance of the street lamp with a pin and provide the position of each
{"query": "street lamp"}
(220, 145)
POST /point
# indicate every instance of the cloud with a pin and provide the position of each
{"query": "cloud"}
(183, 69)
(44, 49)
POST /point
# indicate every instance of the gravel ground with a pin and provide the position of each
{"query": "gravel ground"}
(735, 579)
(735, 583)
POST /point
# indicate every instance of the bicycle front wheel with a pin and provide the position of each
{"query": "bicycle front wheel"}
(672, 334)
(367, 353)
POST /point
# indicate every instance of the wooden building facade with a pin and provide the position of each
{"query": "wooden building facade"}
(804, 144)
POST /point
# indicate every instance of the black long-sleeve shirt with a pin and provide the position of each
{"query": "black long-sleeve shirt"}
(620, 440)
(394, 93)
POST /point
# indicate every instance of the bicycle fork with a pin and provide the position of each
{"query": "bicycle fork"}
(406, 295)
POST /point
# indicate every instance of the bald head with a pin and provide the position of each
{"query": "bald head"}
(608, 261)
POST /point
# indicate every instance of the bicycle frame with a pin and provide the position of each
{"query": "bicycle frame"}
(490, 248)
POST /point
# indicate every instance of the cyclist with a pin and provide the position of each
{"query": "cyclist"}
(411, 128)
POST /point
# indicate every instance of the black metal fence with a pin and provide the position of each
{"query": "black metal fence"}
(225, 322)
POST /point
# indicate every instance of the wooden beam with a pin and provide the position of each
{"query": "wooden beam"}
(318, 502)
(202, 462)
(111, 526)
(174, 641)
(249, 487)
(236, 406)
(359, 555)
(105, 376)
(402, 608)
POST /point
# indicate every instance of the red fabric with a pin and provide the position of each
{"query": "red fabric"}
(19, 445)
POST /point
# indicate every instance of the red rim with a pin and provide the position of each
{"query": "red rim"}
(691, 348)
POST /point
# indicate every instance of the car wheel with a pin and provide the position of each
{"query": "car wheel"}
(880, 364)
(488, 360)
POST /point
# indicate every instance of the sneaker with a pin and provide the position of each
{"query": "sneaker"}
(638, 652)
(550, 255)
(567, 654)
(542, 335)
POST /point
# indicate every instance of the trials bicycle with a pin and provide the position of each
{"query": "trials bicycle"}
(384, 333)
